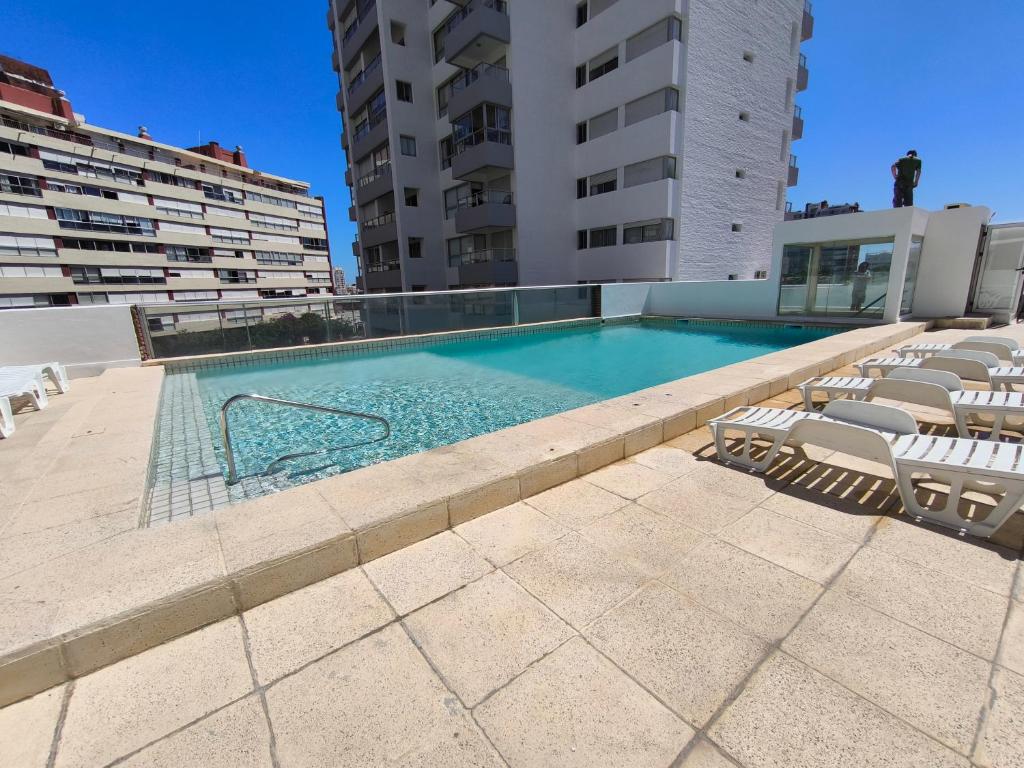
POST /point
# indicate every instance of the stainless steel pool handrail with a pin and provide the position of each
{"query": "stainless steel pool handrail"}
(225, 430)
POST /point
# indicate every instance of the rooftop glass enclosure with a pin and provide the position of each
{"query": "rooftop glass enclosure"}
(845, 279)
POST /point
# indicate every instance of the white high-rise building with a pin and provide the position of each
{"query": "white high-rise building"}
(537, 142)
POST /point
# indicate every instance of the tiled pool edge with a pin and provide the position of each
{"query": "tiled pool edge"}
(498, 469)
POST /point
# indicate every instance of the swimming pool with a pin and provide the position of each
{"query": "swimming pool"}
(432, 395)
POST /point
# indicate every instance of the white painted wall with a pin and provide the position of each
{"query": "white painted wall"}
(624, 299)
(947, 261)
(85, 339)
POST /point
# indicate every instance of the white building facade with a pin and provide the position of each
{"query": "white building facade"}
(533, 143)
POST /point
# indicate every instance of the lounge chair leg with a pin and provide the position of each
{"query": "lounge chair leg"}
(744, 458)
(6, 417)
(961, 425)
(948, 517)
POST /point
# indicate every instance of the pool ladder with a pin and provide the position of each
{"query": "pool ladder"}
(225, 431)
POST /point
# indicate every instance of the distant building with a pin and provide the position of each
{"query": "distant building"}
(339, 280)
(93, 216)
(528, 143)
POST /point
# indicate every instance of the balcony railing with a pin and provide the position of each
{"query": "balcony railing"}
(484, 196)
(369, 124)
(481, 135)
(792, 161)
(44, 131)
(470, 76)
(798, 112)
(360, 77)
(351, 29)
(499, 5)
(379, 221)
(803, 60)
(484, 256)
(381, 170)
(383, 266)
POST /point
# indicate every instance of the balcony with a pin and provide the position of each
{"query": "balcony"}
(794, 172)
(344, 139)
(802, 75)
(348, 177)
(365, 83)
(334, 61)
(807, 26)
(339, 101)
(486, 211)
(490, 266)
(383, 275)
(355, 248)
(374, 184)
(482, 83)
(352, 213)
(483, 154)
(357, 33)
(477, 32)
(369, 134)
(331, 21)
(798, 123)
(379, 230)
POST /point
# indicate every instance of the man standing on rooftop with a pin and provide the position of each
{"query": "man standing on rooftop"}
(906, 173)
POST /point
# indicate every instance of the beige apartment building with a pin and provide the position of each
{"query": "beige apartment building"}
(93, 216)
(540, 142)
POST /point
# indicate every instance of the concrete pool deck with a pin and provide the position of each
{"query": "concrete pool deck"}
(82, 586)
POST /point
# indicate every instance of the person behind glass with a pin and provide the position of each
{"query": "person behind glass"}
(906, 173)
(861, 278)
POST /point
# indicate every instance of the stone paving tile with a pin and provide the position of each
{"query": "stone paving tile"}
(576, 503)
(412, 577)
(962, 557)
(808, 551)
(482, 636)
(27, 728)
(628, 479)
(706, 755)
(301, 626)
(952, 610)
(689, 657)
(756, 594)
(127, 705)
(1001, 744)
(895, 666)
(510, 532)
(645, 540)
(234, 737)
(575, 709)
(790, 716)
(1011, 652)
(575, 579)
(674, 462)
(709, 498)
(374, 702)
(851, 518)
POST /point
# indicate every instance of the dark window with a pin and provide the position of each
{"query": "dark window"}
(408, 144)
(412, 197)
(604, 69)
(604, 186)
(581, 75)
(314, 243)
(188, 254)
(581, 14)
(404, 90)
(581, 238)
(581, 188)
(415, 247)
(80, 244)
(581, 132)
(19, 185)
(601, 238)
(11, 148)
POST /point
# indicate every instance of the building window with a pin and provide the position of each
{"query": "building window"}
(845, 279)
(446, 150)
(20, 185)
(415, 247)
(69, 218)
(761, 274)
(408, 144)
(664, 100)
(581, 132)
(648, 231)
(733, 276)
(581, 14)
(737, 227)
(654, 36)
(603, 237)
(745, 117)
(398, 34)
(600, 183)
(188, 254)
(646, 171)
(404, 90)
(748, 57)
(603, 124)
(581, 75)
(601, 65)
(412, 197)
(581, 188)
(581, 239)
(11, 148)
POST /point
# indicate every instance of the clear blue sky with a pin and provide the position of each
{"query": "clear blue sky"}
(940, 76)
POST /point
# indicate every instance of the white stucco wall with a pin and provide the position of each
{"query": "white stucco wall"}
(947, 261)
(624, 299)
(85, 339)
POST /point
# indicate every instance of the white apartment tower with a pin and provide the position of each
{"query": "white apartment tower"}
(93, 216)
(534, 142)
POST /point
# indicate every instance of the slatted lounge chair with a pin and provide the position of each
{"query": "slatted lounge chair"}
(885, 365)
(1003, 347)
(889, 436)
(55, 372)
(933, 388)
(18, 384)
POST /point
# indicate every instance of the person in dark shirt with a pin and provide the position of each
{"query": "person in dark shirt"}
(906, 173)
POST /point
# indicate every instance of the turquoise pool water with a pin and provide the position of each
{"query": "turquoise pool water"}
(438, 395)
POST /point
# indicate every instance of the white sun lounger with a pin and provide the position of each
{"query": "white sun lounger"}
(939, 389)
(18, 384)
(1002, 347)
(55, 372)
(974, 365)
(889, 436)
